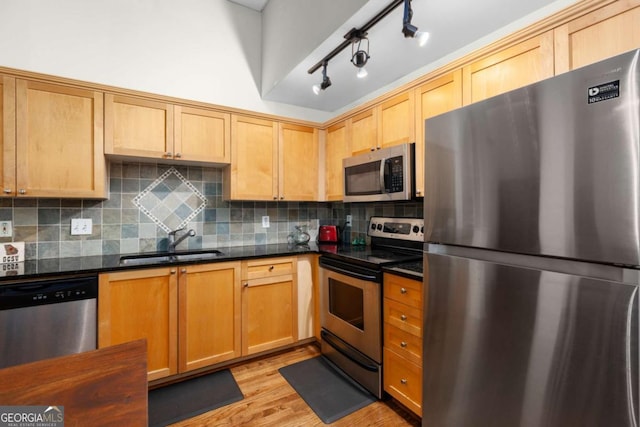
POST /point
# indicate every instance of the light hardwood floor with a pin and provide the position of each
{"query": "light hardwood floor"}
(269, 400)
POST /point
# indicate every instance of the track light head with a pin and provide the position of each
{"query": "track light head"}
(359, 56)
(326, 81)
(409, 30)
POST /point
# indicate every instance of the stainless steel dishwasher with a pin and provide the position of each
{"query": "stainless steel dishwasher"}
(40, 319)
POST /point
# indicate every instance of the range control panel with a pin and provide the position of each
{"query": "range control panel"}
(397, 228)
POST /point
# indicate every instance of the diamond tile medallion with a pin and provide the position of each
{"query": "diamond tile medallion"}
(171, 201)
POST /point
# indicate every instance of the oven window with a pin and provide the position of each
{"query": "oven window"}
(346, 302)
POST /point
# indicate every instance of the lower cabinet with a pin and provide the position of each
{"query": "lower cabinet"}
(403, 316)
(189, 315)
(269, 304)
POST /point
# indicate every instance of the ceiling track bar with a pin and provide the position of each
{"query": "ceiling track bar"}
(356, 34)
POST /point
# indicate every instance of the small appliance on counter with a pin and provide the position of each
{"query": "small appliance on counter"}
(328, 234)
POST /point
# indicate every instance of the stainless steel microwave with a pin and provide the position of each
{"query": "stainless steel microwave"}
(378, 176)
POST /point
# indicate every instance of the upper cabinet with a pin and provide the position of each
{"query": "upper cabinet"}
(524, 63)
(388, 123)
(435, 97)
(153, 129)
(58, 141)
(598, 35)
(336, 144)
(396, 120)
(8, 135)
(272, 161)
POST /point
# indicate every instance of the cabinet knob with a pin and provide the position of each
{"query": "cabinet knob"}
(168, 154)
(172, 272)
(22, 191)
(183, 270)
(403, 381)
(403, 317)
(271, 268)
(275, 197)
(281, 197)
(178, 155)
(403, 290)
(373, 148)
(403, 344)
(246, 285)
(418, 192)
(7, 191)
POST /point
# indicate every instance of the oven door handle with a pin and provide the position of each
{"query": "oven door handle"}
(348, 353)
(366, 277)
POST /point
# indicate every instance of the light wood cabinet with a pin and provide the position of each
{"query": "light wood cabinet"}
(142, 304)
(598, 35)
(396, 120)
(438, 96)
(402, 352)
(272, 161)
(8, 135)
(364, 132)
(52, 140)
(336, 146)
(152, 129)
(189, 315)
(269, 304)
(209, 314)
(524, 63)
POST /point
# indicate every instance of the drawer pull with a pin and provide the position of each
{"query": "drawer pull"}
(403, 381)
(403, 317)
(403, 344)
(271, 268)
(403, 290)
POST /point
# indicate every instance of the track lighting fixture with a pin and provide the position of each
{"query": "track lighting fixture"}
(326, 81)
(359, 57)
(411, 30)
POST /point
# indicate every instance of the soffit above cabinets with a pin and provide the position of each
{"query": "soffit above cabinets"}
(298, 34)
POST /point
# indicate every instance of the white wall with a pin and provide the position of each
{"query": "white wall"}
(204, 50)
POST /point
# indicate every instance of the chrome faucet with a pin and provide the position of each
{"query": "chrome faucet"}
(172, 238)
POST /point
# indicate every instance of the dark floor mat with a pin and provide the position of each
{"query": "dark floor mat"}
(192, 397)
(328, 392)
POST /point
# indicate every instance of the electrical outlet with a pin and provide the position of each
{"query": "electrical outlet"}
(6, 230)
(348, 224)
(265, 221)
(81, 226)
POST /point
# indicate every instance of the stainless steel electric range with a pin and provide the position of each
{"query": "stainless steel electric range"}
(351, 296)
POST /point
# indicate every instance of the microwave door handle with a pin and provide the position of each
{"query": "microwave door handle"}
(383, 189)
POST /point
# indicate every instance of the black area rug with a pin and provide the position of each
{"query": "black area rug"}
(192, 397)
(327, 391)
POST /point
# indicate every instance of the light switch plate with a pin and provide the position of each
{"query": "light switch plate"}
(81, 226)
(6, 229)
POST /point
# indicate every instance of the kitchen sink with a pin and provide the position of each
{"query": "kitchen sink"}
(167, 258)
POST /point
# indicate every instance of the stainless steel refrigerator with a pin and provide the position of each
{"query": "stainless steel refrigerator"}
(532, 254)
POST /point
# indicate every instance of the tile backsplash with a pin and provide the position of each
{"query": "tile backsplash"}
(148, 200)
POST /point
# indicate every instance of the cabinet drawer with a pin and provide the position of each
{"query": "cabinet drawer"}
(404, 317)
(403, 381)
(401, 289)
(269, 267)
(403, 343)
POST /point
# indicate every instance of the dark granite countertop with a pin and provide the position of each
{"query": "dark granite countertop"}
(99, 264)
(411, 270)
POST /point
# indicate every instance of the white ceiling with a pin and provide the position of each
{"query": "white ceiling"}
(456, 27)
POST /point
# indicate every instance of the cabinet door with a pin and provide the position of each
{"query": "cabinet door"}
(59, 141)
(141, 304)
(336, 145)
(210, 314)
(364, 132)
(202, 135)
(138, 127)
(598, 35)
(396, 120)
(269, 313)
(254, 160)
(525, 63)
(298, 163)
(7, 135)
(435, 97)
